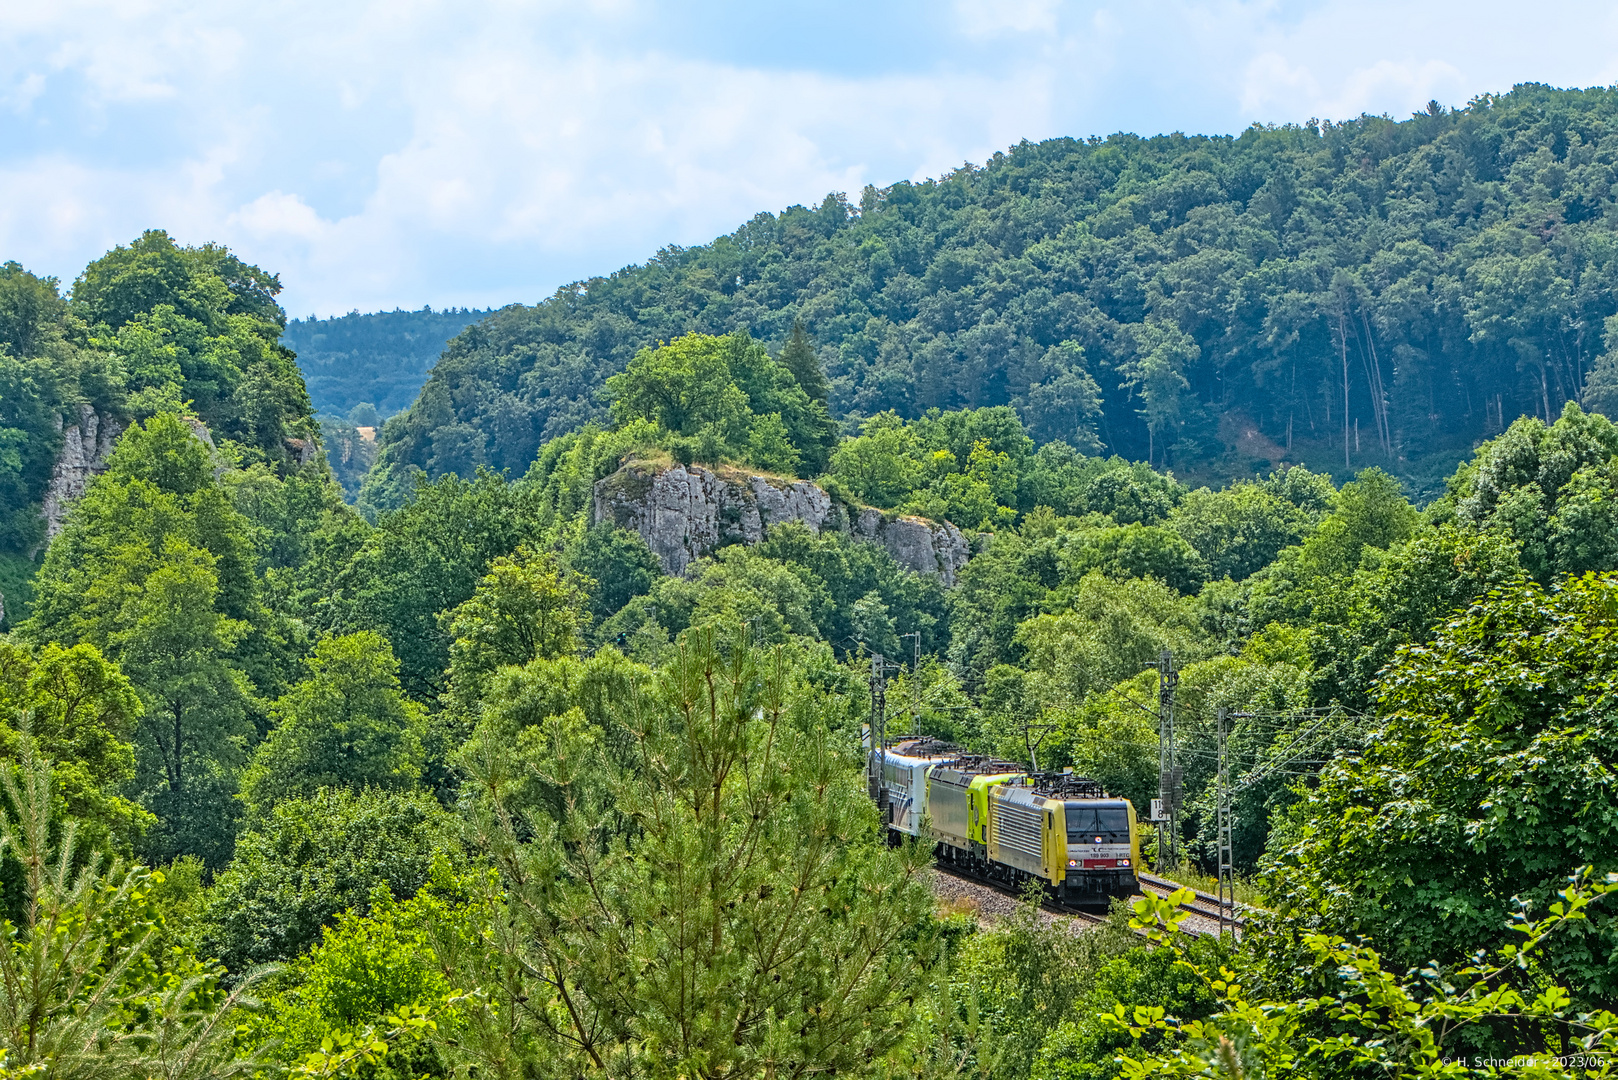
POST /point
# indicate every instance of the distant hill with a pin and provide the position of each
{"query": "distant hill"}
(381, 358)
(1341, 295)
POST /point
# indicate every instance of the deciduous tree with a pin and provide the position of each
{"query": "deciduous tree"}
(348, 725)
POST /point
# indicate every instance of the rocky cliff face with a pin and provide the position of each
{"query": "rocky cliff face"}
(86, 446)
(927, 547)
(684, 513)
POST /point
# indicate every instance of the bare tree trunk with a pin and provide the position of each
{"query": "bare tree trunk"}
(179, 738)
(1292, 405)
(1342, 341)
(1379, 392)
(1556, 366)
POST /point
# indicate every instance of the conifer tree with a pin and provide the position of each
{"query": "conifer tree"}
(798, 356)
(87, 989)
(719, 906)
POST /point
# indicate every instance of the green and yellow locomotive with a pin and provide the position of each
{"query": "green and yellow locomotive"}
(996, 820)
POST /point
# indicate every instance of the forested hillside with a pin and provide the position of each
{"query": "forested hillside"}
(477, 788)
(361, 369)
(482, 775)
(1371, 292)
(378, 359)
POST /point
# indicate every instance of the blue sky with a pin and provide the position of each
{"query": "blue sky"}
(413, 152)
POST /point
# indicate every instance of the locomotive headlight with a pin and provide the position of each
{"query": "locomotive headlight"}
(1073, 862)
(1123, 862)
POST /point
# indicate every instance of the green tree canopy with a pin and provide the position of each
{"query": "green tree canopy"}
(348, 725)
(200, 328)
(1106, 632)
(46, 372)
(1400, 598)
(155, 568)
(1488, 780)
(1547, 487)
(529, 606)
(365, 968)
(619, 564)
(311, 858)
(81, 712)
(724, 397)
(1241, 529)
(1310, 580)
(690, 933)
(738, 586)
(1141, 551)
(684, 387)
(425, 559)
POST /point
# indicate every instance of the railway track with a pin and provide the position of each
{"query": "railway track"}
(1203, 920)
(1002, 889)
(1207, 905)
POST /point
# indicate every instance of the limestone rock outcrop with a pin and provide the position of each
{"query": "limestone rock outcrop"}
(927, 547)
(303, 451)
(686, 512)
(86, 448)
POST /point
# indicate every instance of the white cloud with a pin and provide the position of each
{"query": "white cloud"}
(560, 155)
(22, 96)
(982, 18)
(1274, 87)
(417, 150)
(1272, 81)
(1341, 59)
(280, 216)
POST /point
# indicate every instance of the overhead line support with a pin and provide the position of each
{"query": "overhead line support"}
(1168, 772)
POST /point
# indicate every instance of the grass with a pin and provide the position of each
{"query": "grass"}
(654, 456)
(742, 473)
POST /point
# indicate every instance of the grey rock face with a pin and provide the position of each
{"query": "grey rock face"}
(200, 430)
(302, 450)
(927, 547)
(684, 513)
(778, 501)
(86, 446)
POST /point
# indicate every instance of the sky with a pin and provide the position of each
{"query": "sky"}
(382, 155)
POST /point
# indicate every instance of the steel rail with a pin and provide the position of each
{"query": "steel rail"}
(1058, 908)
(1167, 886)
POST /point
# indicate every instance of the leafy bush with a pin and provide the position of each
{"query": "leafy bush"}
(310, 858)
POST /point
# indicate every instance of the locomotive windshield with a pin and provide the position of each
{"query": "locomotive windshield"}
(1086, 821)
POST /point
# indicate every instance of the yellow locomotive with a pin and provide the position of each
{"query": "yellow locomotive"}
(996, 820)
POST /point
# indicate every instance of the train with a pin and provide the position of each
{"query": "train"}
(999, 821)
